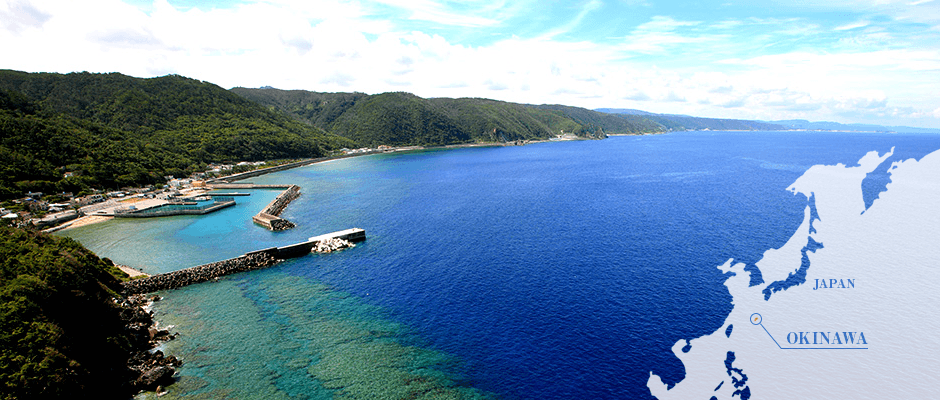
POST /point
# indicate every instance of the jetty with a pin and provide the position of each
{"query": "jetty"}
(270, 218)
(247, 262)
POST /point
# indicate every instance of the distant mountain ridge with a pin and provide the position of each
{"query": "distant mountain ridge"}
(790, 124)
(401, 119)
(835, 126)
(672, 122)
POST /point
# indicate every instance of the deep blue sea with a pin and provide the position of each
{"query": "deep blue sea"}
(561, 270)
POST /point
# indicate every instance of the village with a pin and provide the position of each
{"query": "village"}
(56, 211)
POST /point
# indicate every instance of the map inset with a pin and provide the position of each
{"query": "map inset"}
(842, 303)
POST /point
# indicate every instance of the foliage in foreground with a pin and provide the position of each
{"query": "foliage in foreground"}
(112, 130)
(60, 331)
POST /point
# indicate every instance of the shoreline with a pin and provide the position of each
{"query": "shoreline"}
(97, 218)
(82, 221)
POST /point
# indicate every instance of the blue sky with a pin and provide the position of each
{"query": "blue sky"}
(868, 61)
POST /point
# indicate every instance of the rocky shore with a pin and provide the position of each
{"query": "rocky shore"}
(201, 273)
(146, 370)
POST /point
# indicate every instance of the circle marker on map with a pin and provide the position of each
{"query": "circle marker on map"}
(756, 319)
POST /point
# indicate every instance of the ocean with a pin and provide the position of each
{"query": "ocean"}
(563, 270)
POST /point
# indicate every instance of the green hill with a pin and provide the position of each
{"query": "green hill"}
(619, 124)
(112, 130)
(405, 119)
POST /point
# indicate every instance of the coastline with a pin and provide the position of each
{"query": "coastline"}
(97, 217)
(82, 221)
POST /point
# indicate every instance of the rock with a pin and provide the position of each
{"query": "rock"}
(331, 245)
(157, 375)
(173, 361)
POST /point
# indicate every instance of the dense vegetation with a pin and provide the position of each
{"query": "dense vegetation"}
(620, 124)
(405, 119)
(60, 331)
(112, 130)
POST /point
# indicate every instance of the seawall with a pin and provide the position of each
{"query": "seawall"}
(269, 216)
(201, 273)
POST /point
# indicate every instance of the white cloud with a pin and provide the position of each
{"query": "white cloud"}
(345, 46)
(659, 35)
(854, 25)
(438, 12)
(590, 7)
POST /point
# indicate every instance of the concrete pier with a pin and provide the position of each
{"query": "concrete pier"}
(299, 249)
(229, 194)
(222, 185)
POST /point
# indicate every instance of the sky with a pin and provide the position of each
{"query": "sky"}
(849, 61)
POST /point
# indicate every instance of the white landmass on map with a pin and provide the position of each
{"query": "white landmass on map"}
(891, 250)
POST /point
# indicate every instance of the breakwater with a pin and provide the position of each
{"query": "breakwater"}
(201, 273)
(269, 216)
(250, 261)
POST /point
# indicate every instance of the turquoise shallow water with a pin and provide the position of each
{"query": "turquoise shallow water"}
(548, 271)
(271, 335)
(157, 245)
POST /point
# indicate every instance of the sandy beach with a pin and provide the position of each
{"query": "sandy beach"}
(130, 271)
(87, 220)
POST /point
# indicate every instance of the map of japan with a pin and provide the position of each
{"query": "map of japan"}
(840, 301)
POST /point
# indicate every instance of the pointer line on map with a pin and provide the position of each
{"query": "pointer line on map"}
(756, 319)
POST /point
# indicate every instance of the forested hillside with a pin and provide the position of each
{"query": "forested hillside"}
(112, 130)
(405, 119)
(61, 335)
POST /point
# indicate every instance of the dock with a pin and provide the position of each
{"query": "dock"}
(230, 194)
(235, 186)
(179, 208)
